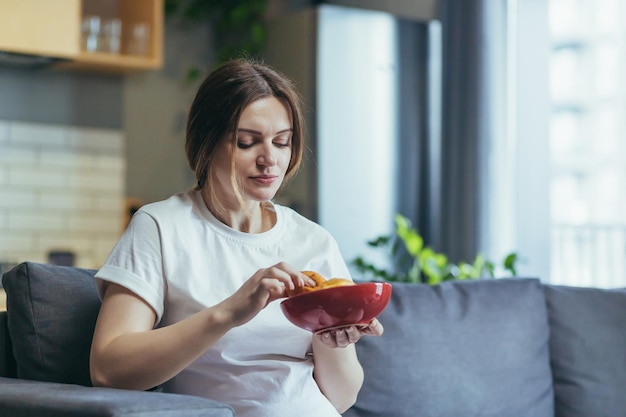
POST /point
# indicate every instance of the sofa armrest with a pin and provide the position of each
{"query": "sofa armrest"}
(32, 398)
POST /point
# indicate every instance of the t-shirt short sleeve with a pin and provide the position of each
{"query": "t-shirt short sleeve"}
(135, 263)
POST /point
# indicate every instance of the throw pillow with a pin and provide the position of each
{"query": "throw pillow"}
(52, 312)
(588, 350)
(463, 348)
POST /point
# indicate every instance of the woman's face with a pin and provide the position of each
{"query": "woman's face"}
(262, 153)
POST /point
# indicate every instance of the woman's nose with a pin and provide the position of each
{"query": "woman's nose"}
(267, 156)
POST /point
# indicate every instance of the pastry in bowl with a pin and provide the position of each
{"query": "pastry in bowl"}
(335, 304)
(320, 283)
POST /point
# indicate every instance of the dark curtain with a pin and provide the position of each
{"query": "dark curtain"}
(442, 181)
(414, 148)
(463, 132)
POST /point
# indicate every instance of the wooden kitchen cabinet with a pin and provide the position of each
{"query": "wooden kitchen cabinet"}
(130, 13)
(52, 28)
(35, 27)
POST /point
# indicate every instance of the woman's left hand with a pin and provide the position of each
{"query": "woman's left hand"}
(344, 336)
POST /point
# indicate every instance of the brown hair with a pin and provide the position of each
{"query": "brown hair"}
(217, 108)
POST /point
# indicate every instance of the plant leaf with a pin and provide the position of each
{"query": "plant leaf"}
(509, 263)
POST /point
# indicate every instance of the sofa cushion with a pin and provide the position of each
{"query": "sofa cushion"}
(52, 312)
(588, 350)
(463, 348)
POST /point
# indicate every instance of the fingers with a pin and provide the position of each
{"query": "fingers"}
(265, 286)
(281, 274)
(290, 277)
(307, 280)
(375, 328)
(304, 280)
(344, 336)
(340, 337)
(281, 279)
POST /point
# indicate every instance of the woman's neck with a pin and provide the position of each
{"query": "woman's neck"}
(256, 218)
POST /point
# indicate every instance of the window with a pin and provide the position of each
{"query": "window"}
(587, 138)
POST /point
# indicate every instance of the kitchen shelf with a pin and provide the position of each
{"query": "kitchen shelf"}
(52, 28)
(111, 62)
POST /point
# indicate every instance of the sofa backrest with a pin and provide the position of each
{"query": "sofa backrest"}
(463, 348)
(52, 312)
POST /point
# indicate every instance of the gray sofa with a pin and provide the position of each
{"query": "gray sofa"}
(487, 348)
(45, 338)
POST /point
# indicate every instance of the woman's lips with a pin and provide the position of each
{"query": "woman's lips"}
(264, 179)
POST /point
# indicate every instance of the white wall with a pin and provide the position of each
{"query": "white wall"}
(356, 141)
(61, 188)
(409, 9)
(519, 213)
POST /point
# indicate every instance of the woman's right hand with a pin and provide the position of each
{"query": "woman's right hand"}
(126, 347)
(265, 286)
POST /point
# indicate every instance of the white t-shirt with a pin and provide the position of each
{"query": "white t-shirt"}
(180, 259)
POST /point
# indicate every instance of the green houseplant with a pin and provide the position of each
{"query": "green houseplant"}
(239, 25)
(413, 261)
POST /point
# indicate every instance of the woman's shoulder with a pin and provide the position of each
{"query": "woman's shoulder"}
(291, 215)
(180, 202)
(296, 221)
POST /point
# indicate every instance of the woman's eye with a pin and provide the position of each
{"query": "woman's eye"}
(244, 144)
(282, 142)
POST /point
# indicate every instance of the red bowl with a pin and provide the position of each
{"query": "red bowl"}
(337, 306)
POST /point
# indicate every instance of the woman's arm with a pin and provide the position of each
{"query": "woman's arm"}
(337, 370)
(127, 352)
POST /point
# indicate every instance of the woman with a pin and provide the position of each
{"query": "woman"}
(189, 293)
